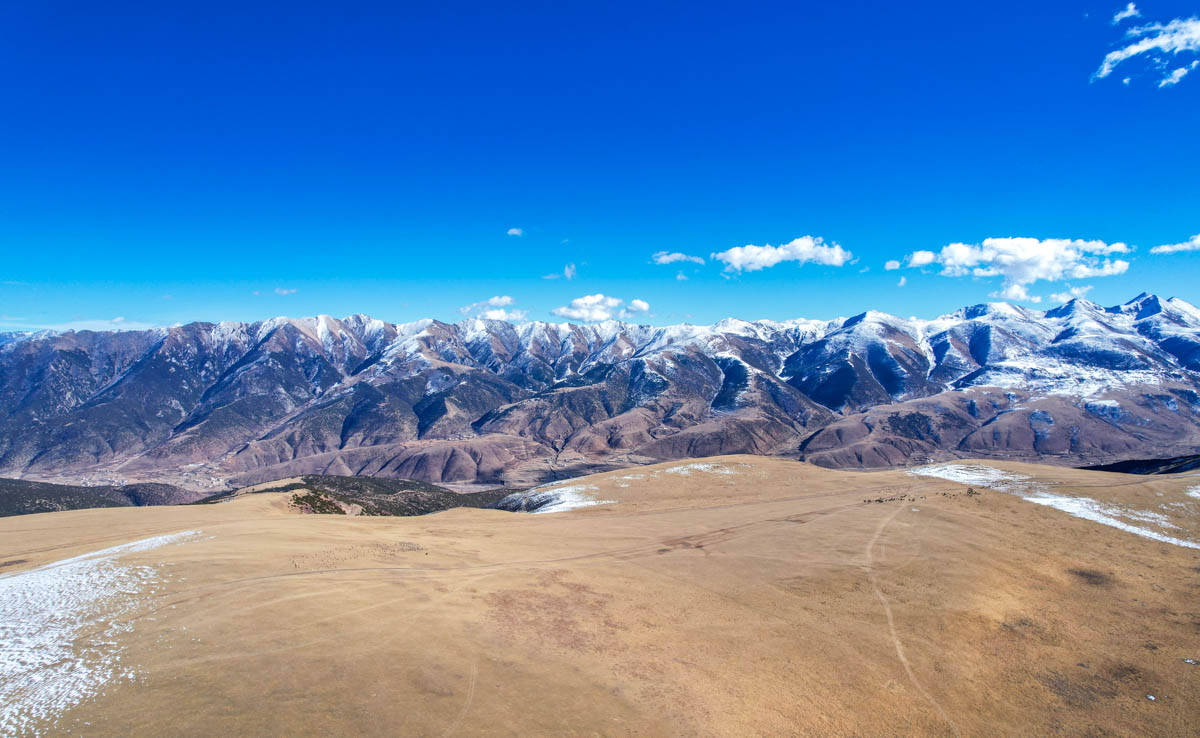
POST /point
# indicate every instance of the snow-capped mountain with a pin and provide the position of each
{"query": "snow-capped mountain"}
(208, 404)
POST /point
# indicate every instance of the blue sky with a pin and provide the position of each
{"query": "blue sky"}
(185, 161)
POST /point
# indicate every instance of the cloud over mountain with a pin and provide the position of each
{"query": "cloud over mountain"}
(802, 250)
(1023, 261)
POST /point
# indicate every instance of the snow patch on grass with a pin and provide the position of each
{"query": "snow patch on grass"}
(551, 499)
(59, 628)
(1027, 489)
(1194, 492)
(687, 469)
(1089, 509)
(983, 476)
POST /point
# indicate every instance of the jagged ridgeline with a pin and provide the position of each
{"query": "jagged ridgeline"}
(211, 406)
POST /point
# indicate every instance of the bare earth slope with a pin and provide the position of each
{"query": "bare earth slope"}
(739, 595)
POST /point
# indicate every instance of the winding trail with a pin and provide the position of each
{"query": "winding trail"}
(887, 609)
(467, 706)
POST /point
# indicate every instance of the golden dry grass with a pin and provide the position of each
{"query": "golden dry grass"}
(770, 600)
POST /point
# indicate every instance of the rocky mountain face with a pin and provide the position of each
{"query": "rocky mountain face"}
(208, 405)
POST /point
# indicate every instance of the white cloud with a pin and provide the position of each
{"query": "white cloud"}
(502, 314)
(1016, 292)
(803, 250)
(568, 272)
(903, 281)
(1192, 244)
(681, 277)
(515, 232)
(1023, 261)
(1177, 74)
(597, 307)
(1071, 293)
(665, 257)
(1130, 11)
(590, 308)
(282, 291)
(921, 258)
(892, 265)
(1159, 42)
(493, 308)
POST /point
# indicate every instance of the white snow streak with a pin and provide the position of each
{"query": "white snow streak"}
(59, 625)
(1028, 489)
(687, 469)
(550, 499)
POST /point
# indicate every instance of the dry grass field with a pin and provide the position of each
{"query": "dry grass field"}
(737, 595)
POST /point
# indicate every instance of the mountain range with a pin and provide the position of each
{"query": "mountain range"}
(213, 405)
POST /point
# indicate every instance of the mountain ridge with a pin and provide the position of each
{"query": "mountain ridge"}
(206, 405)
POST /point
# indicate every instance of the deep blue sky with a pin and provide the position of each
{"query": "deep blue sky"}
(164, 162)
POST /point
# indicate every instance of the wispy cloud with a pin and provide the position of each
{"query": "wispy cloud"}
(1177, 74)
(568, 273)
(284, 291)
(1071, 293)
(1158, 43)
(891, 265)
(903, 281)
(802, 250)
(1023, 261)
(1192, 244)
(515, 232)
(671, 257)
(118, 323)
(1130, 11)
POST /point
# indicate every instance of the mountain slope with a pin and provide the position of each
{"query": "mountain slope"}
(210, 405)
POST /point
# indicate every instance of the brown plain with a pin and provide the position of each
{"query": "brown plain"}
(778, 599)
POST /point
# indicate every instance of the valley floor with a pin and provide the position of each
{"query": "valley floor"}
(730, 596)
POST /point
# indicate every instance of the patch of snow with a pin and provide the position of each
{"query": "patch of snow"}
(551, 499)
(1024, 487)
(58, 631)
(1194, 492)
(984, 476)
(687, 469)
(1089, 509)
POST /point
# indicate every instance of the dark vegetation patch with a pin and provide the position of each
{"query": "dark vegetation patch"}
(735, 381)
(311, 502)
(23, 497)
(1092, 577)
(1021, 626)
(916, 426)
(1172, 465)
(1079, 691)
(376, 496)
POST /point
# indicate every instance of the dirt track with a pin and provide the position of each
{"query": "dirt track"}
(768, 599)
